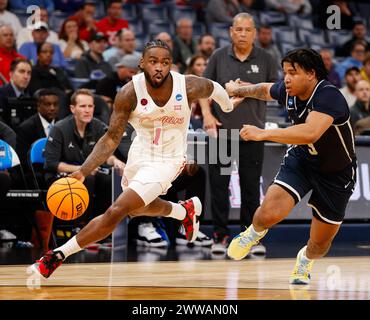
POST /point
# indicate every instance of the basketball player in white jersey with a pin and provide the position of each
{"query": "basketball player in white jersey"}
(156, 103)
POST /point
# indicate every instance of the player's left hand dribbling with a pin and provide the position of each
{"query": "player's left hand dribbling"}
(251, 133)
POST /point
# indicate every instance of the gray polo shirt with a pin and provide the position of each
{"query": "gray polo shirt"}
(224, 66)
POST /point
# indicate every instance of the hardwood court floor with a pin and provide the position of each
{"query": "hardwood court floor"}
(333, 278)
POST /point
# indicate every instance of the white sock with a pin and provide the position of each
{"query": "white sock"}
(70, 247)
(257, 234)
(178, 212)
(304, 257)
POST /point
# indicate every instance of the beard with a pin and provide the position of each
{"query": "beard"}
(155, 85)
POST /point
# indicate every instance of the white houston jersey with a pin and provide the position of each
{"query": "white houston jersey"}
(161, 131)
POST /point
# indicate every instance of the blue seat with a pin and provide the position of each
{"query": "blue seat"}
(37, 151)
(284, 34)
(129, 11)
(287, 46)
(154, 12)
(220, 30)
(8, 156)
(160, 26)
(298, 21)
(311, 35)
(338, 37)
(183, 12)
(272, 18)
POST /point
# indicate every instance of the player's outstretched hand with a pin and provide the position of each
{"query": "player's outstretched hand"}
(77, 175)
(251, 133)
(119, 165)
(231, 86)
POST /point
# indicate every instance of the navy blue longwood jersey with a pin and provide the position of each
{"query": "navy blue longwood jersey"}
(335, 149)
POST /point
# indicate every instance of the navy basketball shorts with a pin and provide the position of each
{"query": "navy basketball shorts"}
(330, 191)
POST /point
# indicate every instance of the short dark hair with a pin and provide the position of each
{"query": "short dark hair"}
(110, 2)
(16, 62)
(78, 92)
(307, 59)
(40, 45)
(203, 36)
(264, 26)
(44, 92)
(358, 43)
(156, 44)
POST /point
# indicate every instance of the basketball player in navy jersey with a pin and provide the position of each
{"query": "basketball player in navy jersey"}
(321, 157)
(156, 103)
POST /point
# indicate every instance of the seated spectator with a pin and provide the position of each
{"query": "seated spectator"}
(196, 66)
(351, 78)
(8, 135)
(360, 112)
(356, 59)
(85, 20)
(290, 6)
(184, 46)
(365, 70)
(92, 62)
(25, 34)
(221, 11)
(358, 34)
(7, 53)
(70, 142)
(44, 75)
(20, 76)
(206, 45)
(70, 43)
(40, 33)
(126, 44)
(125, 69)
(333, 76)
(165, 37)
(113, 22)
(38, 126)
(8, 18)
(264, 40)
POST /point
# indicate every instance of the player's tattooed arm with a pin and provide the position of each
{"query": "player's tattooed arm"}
(124, 103)
(259, 91)
(198, 88)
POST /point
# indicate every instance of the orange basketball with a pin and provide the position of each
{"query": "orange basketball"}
(67, 198)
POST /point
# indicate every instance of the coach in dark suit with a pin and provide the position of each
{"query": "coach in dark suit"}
(20, 76)
(37, 126)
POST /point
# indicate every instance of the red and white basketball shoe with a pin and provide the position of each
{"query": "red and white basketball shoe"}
(48, 263)
(193, 208)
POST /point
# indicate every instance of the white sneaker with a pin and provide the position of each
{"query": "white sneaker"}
(201, 240)
(149, 237)
(258, 249)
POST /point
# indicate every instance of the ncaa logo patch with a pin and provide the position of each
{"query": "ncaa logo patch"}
(290, 102)
(179, 97)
